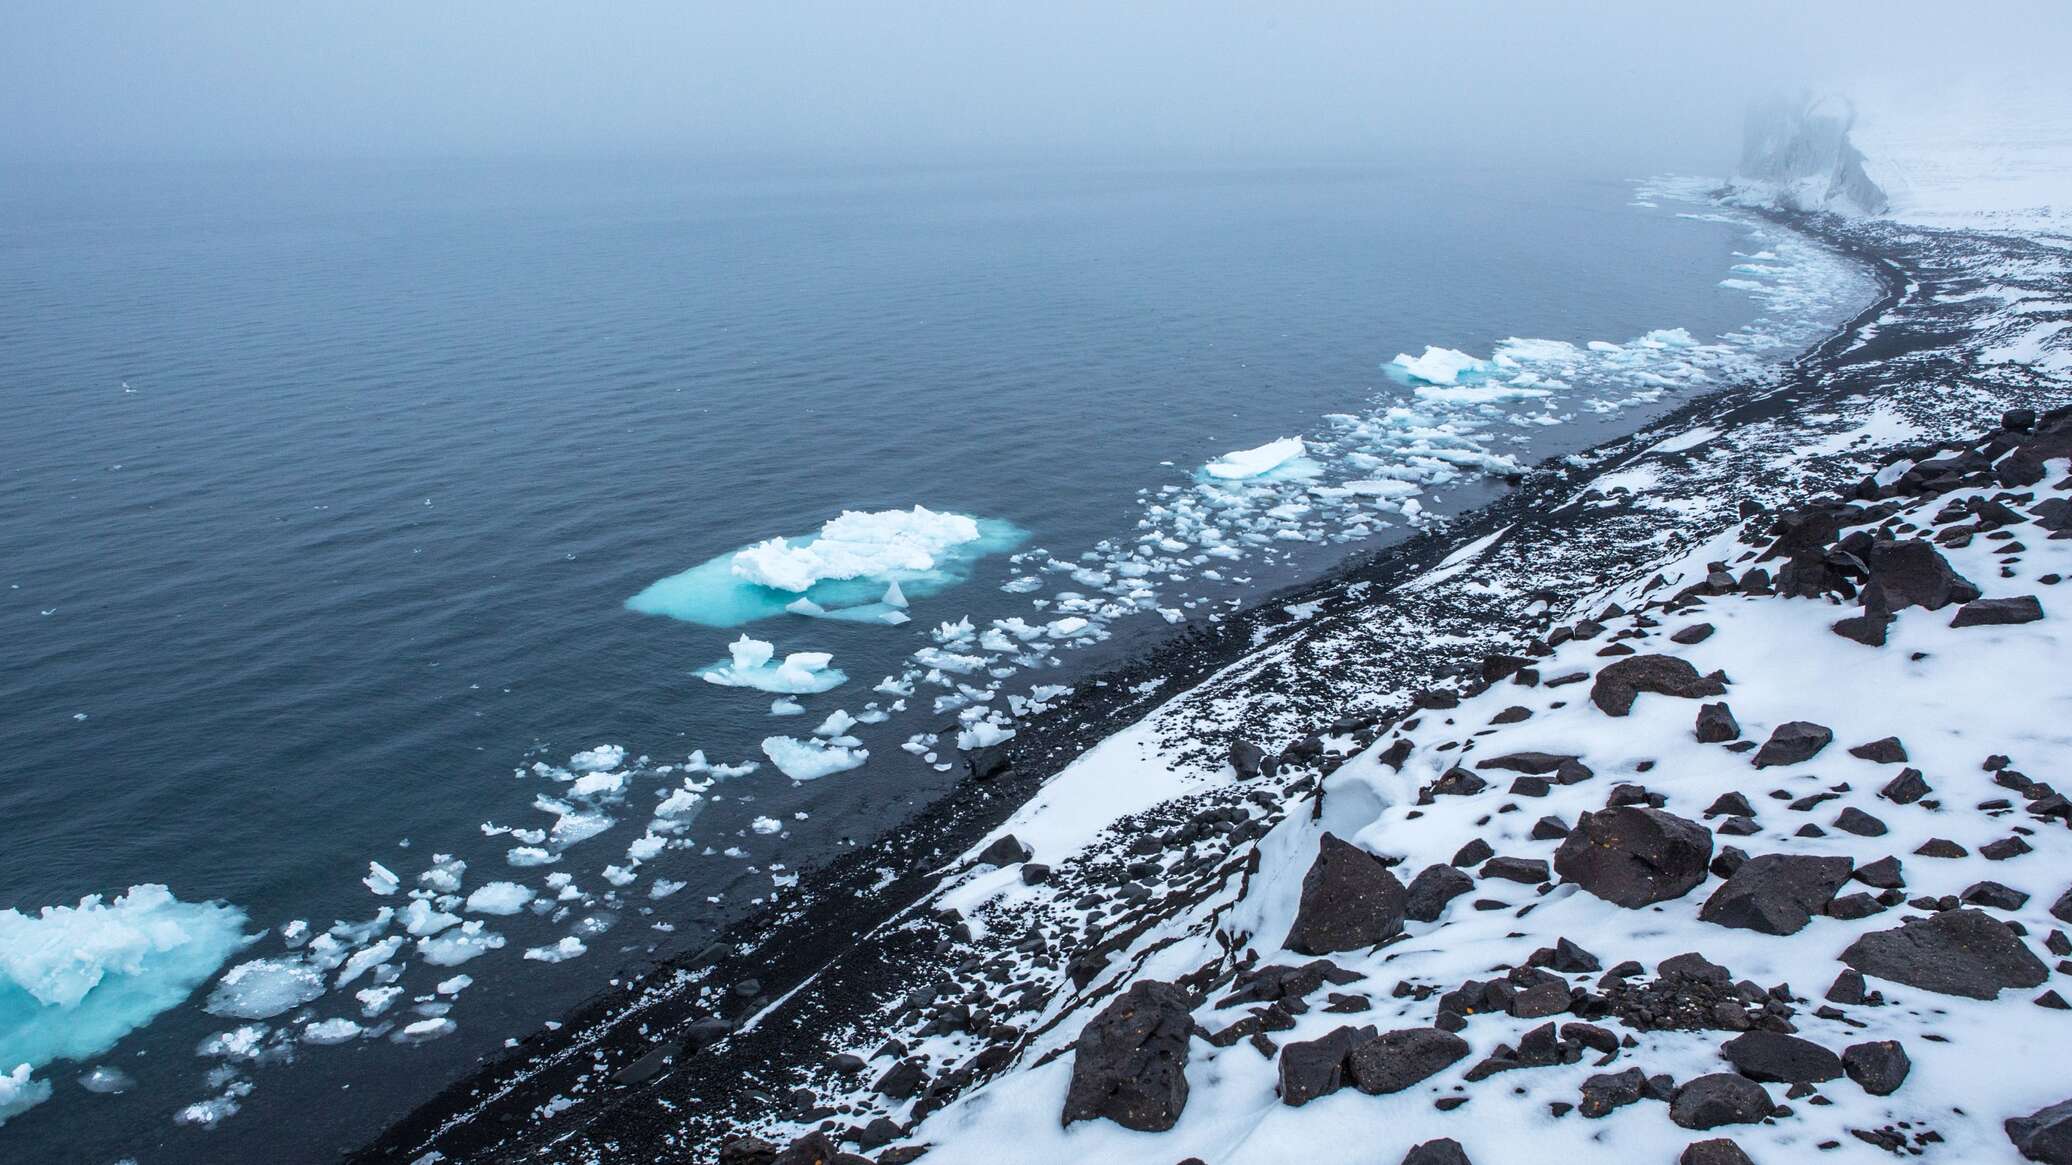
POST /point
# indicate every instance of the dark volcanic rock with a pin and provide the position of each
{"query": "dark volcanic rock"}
(1868, 630)
(2044, 1135)
(1723, 1098)
(1633, 856)
(1717, 1151)
(1432, 889)
(812, 1149)
(1776, 893)
(1878, 1067)
(1911, 573)
(1130, 1063)
(1313, 1068)
(1531, 871)
(1246, 758)
(1399, 1059)
(1716, 724)
(1856, 821)
(1793, 742)
(1664, 675)
(1906, 788)
(1888, 751)
(1609, 1090)
(1534, 763)
(1998, 612)
(1955, 952)
(1004, 852)
(1350, 901)
(1444, 1151)
(1780, 1059)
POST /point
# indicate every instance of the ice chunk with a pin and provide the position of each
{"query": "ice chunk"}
(264, 988)
(499, 898)
(766, 825)
(599, 759)
(1249, 463)
(856, 545)
(806, 760)
(457, 946)
(801, 673)
(75, 979)
(107, 1081)
(568, 948)
(425, 1029)
(380, 879)
(786, 706)
(330, 1031)
(421, 918)
(19, 1094)
(598, 785)
(838, 723)
(363, 961)
(1439, 365)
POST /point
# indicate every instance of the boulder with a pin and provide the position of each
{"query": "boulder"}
(1609, 1090)
(1780, 1059)
(1998, 612)
(1350, 901)
(815, 1148)
(2044, 1135)
(1634, 855)
(1666, 675)
(1396, 1060)
(1444, 1151)
(1911, 573)
(1432, 889)
(1793, 742)
(1245, 759)
(1955, 952)
(1723, 1098)
(1004, 851)
(1313, 1068)
(1776, 893)
(1530, 871)
(1887, 751)
(1879, 1067)
(1129, 1064)
(1717, 1151)
(1716, 724)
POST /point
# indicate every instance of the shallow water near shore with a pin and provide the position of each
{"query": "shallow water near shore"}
(326, 490)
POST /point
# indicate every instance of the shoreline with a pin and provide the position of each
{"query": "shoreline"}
(653, 1028)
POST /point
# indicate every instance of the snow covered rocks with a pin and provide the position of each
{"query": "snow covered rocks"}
(1350, 901)
(1619, 683)
(1776, 893)
(1634, 856)
(1129, 1064)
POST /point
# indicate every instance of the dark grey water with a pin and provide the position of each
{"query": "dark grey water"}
(322, 490)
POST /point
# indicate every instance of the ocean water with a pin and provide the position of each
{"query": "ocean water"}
(324, 491)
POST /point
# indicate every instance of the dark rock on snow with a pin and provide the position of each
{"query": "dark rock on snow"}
(1635, 856)
(1781, 1059)
(1350, 901)
(1130, 1063)
(1956, 952)
(1004, 852)
(1793, 742)
(1313, 1068)
(1911, 573)
(1717, 1151)
(1723, 1098)
(1776, 893)
(2044, 1135)
(1716, 724)
(1619, 683)
(1998, 612)
(1399, 1059)
(1432, 889)
(1444, 1151)
(1888, 751)
(1878, 1067)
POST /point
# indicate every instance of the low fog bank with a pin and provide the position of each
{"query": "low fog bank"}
(1610, 86)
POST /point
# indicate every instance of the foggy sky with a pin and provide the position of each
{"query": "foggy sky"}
(1661, 83)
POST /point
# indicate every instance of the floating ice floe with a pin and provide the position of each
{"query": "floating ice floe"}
(860, 567)
(1439, 365)
(75, 979)
(1280, 459)
(264, 988)
(801, 673)
(499, 898)
(807, 760)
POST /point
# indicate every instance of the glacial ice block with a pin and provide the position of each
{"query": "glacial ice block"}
(859, 567)
(807, 760)
(75, 979)
(1439, 365)
(801, 673)
(1275, 458)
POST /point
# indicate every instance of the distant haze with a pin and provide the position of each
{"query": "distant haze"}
(1616, 84)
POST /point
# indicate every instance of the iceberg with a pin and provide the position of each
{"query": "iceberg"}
(499, 898)
(808, 760)
(75, 979)
(801, 673)
(858, 567)
(19, 1094)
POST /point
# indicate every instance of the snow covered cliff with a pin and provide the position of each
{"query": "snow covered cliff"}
(1800, 150)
